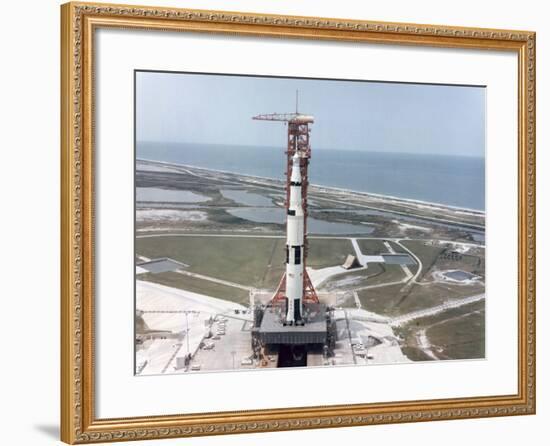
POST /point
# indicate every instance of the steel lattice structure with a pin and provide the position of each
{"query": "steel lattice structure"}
(298, 140)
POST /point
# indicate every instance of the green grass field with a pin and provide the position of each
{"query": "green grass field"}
(454, 334)
(259, 262)
(240, 260)
(428, 255)
(460, 338)
(397, 248)
(382, 300)
(394, 300)
(372, 247)
(328, 252)
(389, 273)
(200, 286)
(251, 261)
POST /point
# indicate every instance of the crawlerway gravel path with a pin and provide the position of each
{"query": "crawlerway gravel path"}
(396, 321)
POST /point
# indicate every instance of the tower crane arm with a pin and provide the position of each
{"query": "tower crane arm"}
(285, 117)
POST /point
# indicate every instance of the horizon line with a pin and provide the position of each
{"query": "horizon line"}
(327, 149)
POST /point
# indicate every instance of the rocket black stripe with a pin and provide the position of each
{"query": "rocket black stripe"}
(297, 255)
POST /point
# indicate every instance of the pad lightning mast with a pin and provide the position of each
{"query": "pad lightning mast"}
(295, 287)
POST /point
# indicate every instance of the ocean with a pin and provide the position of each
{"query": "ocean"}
(450, 180)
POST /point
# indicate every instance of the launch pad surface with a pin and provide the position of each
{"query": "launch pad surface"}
(315, 331)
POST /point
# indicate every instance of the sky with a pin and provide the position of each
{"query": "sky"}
(349, 115)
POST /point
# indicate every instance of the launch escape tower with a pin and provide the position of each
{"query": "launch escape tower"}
(293, 319)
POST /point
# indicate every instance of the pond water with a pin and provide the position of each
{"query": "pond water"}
(157, 194)
(161, 265)
(246, 198)
(314, 226)
(459, 275)
(398, 259)
(478, 237)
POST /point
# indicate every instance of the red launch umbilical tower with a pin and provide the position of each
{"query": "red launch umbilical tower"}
(297, 142)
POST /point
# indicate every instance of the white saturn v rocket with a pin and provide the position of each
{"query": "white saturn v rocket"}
(295, 246)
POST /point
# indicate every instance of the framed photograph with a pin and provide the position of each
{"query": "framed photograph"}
(275, 223)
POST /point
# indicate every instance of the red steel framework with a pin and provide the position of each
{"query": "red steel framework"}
(297, 140)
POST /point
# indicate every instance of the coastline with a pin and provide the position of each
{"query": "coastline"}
(399, 200)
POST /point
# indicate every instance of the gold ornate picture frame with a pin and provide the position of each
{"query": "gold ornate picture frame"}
(79, 23)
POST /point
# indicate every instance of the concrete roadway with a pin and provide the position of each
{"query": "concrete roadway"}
(396, 321)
